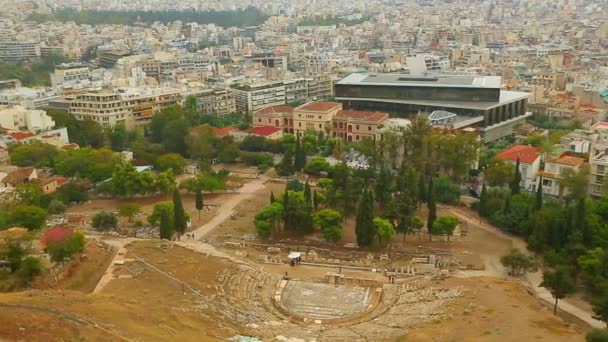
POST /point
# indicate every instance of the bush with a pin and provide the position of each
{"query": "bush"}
(60, 251)
(597, 335)
(256, 158)
(104, 221)
(316, 166)
(57, 207)
(30, 267)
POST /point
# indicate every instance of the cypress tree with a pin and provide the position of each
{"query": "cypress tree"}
(300, 158)
(307, 219)
(432, 206)
(272, 199)
(516, 179)
(364, 226)
(315, 200)
(286, 212)
(539, 194)
(179, 215)
(198, 202)
(422, 194)
(166, 231)
(483, 199)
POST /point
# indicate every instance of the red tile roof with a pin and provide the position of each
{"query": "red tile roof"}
(363, 115)
(61, 180)
(525, 154)
(319, 106)
(21, 135)
(264, 130)
(223, 131)
(275, 109)
(18, 176)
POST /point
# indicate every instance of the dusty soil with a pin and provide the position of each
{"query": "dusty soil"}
(84, 271)
(495, 310)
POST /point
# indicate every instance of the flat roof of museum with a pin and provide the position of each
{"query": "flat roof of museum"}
(447, 81)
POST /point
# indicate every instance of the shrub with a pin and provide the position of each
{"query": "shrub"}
(60, 251)
(30, 267)
(104, 221)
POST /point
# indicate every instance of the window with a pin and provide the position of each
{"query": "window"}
(357, 126)
(546, 182)
(369, 128)
(299, 124)
(320, 126)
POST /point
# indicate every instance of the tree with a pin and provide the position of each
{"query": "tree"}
(29, 194)
(73, 192)
(559, 282)
(432, 207)
(317, 165)
(14, 255)
(129, 210)
(180, 219)
(198, 201)
(597, 335)
(119, 137)
(539, 194)
(171, 161)
(33, 154)
(515, 183)
(384, 230)
(600, 307)
(29, 269)
(300, 157)
(57, 207)
(446, 191)
(267, 220)
(166, 229)
(61, 250)
(445, 225)
(364, 226)
(518, 262)
(285, 167)
(104, 220)
(575, 182)
(29, 217)
(483, 201)
(272, 199)
(499, 173)
(329, 223)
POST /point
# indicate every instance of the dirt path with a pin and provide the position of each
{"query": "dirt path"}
(119, 256)
(226, 209)
(494, 268)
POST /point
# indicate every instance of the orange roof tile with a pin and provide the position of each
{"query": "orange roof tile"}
(264, 130)
(319, 106)
(275, 109)
(363, 115)
(525, 154)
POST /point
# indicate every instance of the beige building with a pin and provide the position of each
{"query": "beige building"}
(276, 116)
(554, 167)
(216, 101)
(353, 125)
(314, 116)
(19, 118)
(105, 108)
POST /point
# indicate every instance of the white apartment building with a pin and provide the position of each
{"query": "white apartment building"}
(598, 160)
(14, 51)
(30, 98)
(18, 118)
(421, 64)
(254, 96)
(70, 73)
(107, 109)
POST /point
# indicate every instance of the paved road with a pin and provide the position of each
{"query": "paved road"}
(532, 278)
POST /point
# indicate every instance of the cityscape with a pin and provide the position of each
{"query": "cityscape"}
(304, 171)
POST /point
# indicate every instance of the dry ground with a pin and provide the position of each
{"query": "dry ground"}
(148, 306)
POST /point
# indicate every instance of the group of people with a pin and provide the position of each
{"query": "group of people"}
(190, 236)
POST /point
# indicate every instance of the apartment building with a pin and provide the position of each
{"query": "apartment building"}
(107, 109)
(598, 160)
(15, 51)
(276, 116)
(254, 96)
(69, 73)
(296, 90)
(554, 167)
(108, 58)
(30, 98)
(19, 118)
(320, 87)
(314, 116)
(216, 101)
(355, 125)
(134, 107)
